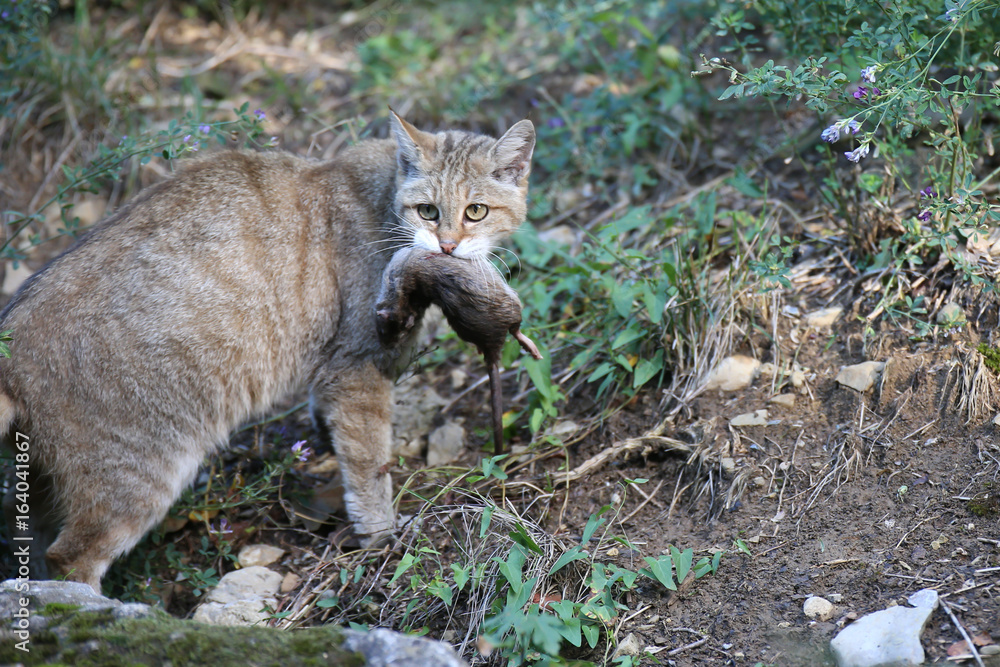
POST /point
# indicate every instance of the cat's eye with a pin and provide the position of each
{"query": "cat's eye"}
(476, 212)
(428, 211)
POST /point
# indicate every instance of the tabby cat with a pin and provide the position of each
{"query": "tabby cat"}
(212, 295)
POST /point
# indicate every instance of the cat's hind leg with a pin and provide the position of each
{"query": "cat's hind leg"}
(110, 508)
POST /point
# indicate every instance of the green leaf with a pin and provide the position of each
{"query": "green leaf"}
(621, 297)
(440, 590)
(568, 556)
(326, 603)
(647, 369)
(682, 561)
(461, 575)
(592, 633)
(520, 535)
(405, 563)
(484, 524)
(654, 300)
(627, 336)
(593, 523)
(660, 569)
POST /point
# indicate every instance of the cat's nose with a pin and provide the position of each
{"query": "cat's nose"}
(448, 247)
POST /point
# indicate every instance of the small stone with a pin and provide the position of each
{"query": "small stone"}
(240, 598)
(290, 582)
(996, 420)
(817, 607)
(798, 376)
(445, 444)
(733, 373)
(629, 646)
(861, 376)
(887, 637)
(759, 481)
(563, 427)
(836, 598)
(822, 319)
(951, 314)
(755, 418)
(991, 649)
(458, 378)
(563, 235)
(259, 554)
(728, 465)
(784, 400)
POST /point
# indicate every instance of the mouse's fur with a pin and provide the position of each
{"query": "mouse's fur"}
(479, 306)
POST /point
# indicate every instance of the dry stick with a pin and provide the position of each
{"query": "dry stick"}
(56, 168)
(961, 630)
(645, 502)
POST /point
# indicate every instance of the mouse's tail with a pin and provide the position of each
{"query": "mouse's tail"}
(496, 405)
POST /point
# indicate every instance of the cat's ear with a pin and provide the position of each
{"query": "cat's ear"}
(512, 153)
(411, 144)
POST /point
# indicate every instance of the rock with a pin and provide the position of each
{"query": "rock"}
(290, 582)
(990, 649)
(996, 420)
(728, 465)
(385, 648)
(755, 418)
(817, 607)
(41, 594)
(563, 427)
(733, 373)
(259, 554)
(823, 319)
(445, 444)
(798, 376)
(84, 631)
(13, 278)
(887, 637)
(563, 235)
(240, 598)
(784, 400)
(951, 314)
(415, 406)
(925, 597)
(836, 598)
(628, 646)
(861, 376)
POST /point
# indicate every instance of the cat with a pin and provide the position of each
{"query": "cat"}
(210, 296)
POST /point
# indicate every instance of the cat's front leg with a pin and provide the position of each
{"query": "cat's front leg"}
(354, 406)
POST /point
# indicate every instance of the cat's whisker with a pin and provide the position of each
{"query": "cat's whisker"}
(500, 247)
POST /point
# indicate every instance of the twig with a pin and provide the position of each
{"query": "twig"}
(961, 630)
(645, 502)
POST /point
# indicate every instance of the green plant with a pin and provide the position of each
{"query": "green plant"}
(904, 83)
(991, 356)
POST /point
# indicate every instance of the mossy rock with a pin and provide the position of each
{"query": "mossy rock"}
(95, 639)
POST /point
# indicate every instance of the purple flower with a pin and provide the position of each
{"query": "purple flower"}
(924, 215)
(853, 126)
(187, 138)
(556, 122)
(260, 114)
(928, 192)
(876, 92)
(858, 153)
(224, 528)
(205, 128)
(868, 74)
(831, 134)
(5, 15)
(301, 451)
(860, 92)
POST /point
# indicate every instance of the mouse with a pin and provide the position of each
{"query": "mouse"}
(477, 302)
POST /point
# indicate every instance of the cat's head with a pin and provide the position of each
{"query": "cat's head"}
(458, 192)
